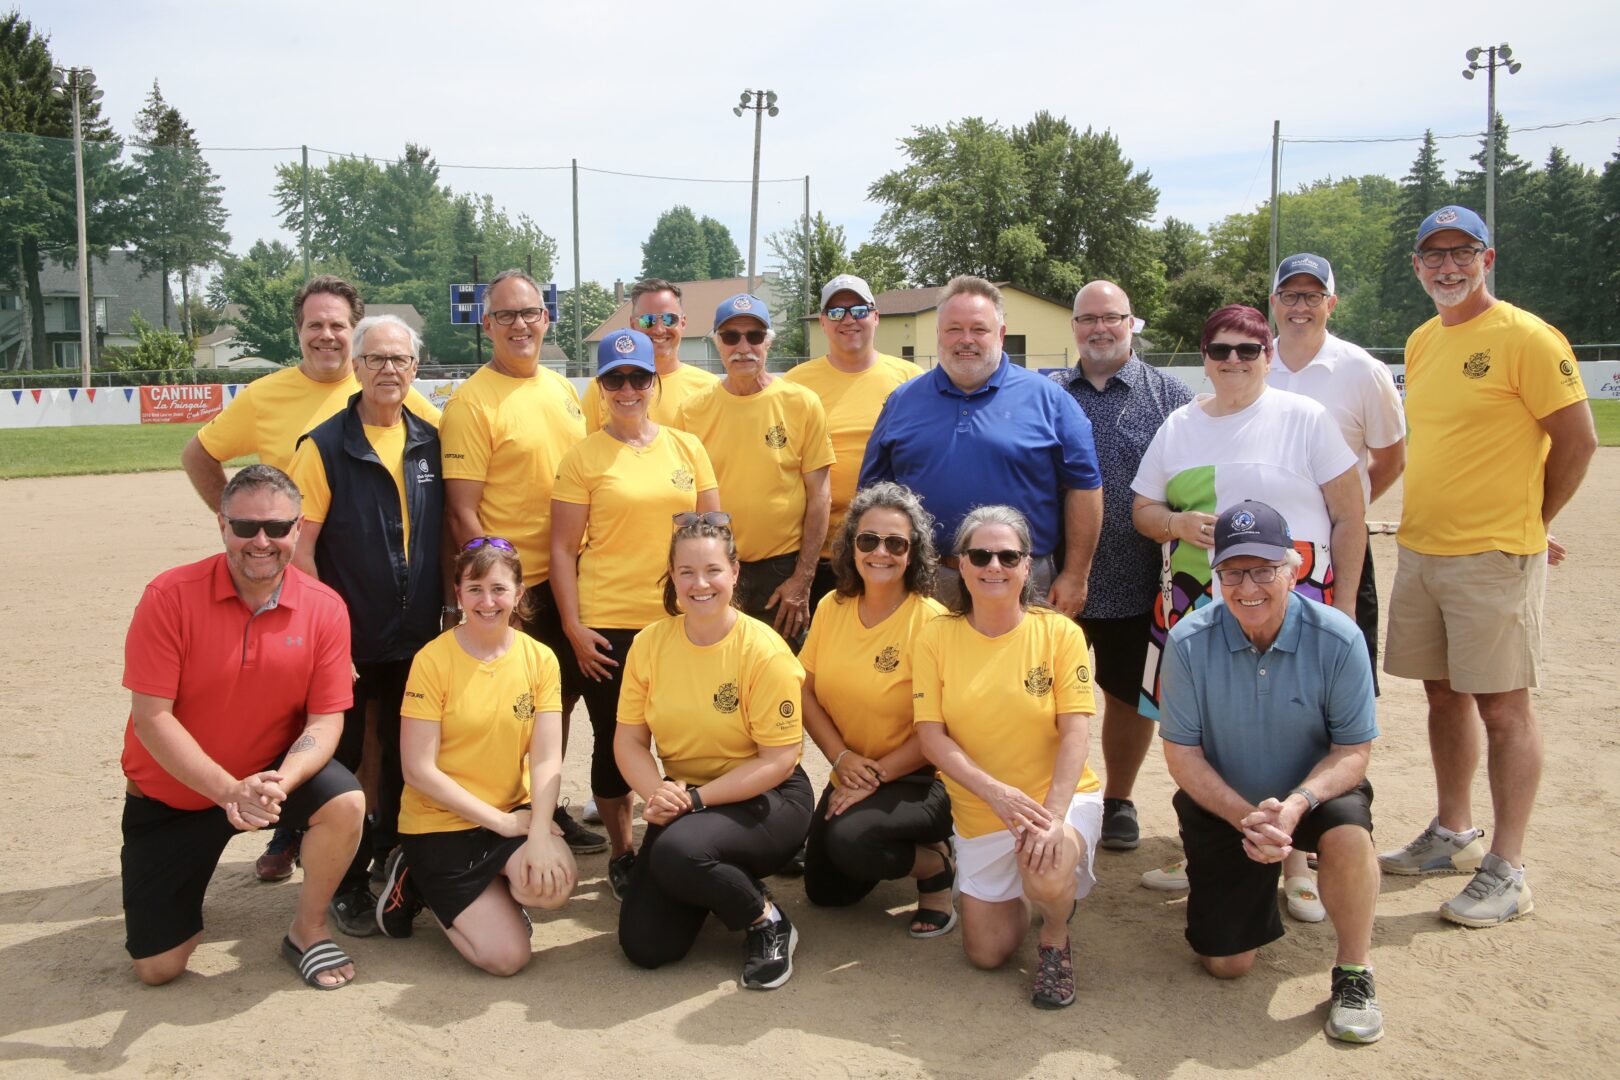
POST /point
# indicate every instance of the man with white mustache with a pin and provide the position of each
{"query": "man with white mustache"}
(1501, 439)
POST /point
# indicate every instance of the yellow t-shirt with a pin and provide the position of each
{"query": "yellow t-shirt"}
(711, 707)
(511, 434)
(267, 416)
(632, 494)
(852, 404)
(665, 410)
(308, 471)
(863, 675)
(1000, 698)
(485, 713)
(761, 446)
(1476, 453)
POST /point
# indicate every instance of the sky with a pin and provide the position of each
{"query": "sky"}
(1191, 91)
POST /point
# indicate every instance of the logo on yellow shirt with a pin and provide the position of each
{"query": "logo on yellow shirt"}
(681, 479)
(1477, 365)
(1566, 367)
(524, 708)
(786, 709)
(887, 660)
(776, 437)
(1038, 682)
(725, 699)
(573, 410)
(1083, 673)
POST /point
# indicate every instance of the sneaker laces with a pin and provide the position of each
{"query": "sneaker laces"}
(1353, 988)
(1483, 884)
(1426, 837)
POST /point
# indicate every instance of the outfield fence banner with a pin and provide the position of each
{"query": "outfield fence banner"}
(181, 404)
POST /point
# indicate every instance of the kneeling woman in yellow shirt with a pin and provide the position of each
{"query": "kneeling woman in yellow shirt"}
(477, 845)
(884, 814)
(1003, 705)
(720, 692)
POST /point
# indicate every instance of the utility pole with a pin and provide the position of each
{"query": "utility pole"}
(1496, 56)
(1276, 172)
(579, 331)
(761, 102)
(809, 286)
(77, 81)
(303, 195)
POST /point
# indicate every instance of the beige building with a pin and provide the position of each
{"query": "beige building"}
(1038, 334)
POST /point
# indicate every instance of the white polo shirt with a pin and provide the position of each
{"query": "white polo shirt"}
(1357, 389)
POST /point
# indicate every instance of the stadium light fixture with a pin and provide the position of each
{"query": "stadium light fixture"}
(1496, 56)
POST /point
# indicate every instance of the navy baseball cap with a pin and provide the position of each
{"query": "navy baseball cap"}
(741, 304)
(1314, 265)
(1455, 217)
(625, 348)
(1251, 528)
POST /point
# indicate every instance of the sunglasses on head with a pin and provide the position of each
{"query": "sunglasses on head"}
(731, 337)
(612, 381)
(854, 311)
(894, 545)
(717, 518)
(493, 541)
(1009, 558)
(248, 528)
(647, 322)
(1248, 350)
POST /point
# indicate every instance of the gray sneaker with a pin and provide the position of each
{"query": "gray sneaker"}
(1353, 1014)
(1120, 831)
(1430, 854)
(1494, 897)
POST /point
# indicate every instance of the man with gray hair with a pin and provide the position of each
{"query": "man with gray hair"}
(978, 430)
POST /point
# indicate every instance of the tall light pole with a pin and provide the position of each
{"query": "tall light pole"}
(761, 102)
(1496, 56)
(73, 83)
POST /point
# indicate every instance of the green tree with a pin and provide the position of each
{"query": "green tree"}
(155, 349)
(677, 249)
(1606, 245)
(1181, 247)
(1346, 221)
(880, 265)
(1561, 279)
(1514, 197)
(1190, 299)
(596, 303)
(261, 285)
(801, 271)
(1403, 306)
(724, 258)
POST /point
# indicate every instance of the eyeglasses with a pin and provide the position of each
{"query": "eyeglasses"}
(1260, 575)
(1009, 558)
(493, 541)
(1435, 258)
(894, 545)
(1248, 350)
(377, 361)
(248, 528)
(647, 322)
(507, 316)
(717, 518)
(731, 337)
(854, 311)
(1112, 318)
(1292, 298)
(613, 381)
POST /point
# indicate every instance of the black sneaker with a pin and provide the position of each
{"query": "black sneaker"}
(580, 840)
(619, 868)
(770, 954)
(399, 903)
(354, 912)
(1119, 829)
(794, 867)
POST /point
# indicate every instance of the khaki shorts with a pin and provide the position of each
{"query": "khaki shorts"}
(1472, 619)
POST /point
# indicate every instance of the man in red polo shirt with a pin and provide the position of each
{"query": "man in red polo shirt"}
(238, 671)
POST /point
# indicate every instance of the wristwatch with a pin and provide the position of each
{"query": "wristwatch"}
(1312, 802)
(697, 800)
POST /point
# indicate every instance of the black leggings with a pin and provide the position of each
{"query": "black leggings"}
(874, 840)
(602, 705)
(383, 683)
(709, 861)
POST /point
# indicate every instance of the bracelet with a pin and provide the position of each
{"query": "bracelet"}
(1170, 526)
(840, 757)
(1311, 801)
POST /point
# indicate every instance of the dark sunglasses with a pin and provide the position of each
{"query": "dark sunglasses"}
(1009, 558)
(248, 528)
(647, 322)
(493, 541)
(711, 517)
(1249, 350)
(731, 337)
(854, 311)
(894, 545)
(614, 381)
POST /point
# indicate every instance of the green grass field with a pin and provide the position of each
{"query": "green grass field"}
(79, 451)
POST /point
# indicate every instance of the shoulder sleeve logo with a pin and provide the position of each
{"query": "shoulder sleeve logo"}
(1477, 365)
(776, 437)
(681, 479)
(1566, 366)
(786, 709)
(887, 660)
(725, 698)
(523, 708)
(1038, 683)
(1083, 673)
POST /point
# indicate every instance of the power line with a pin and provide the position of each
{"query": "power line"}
(1455, 135)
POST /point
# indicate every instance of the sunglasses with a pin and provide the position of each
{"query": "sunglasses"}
(731, 337)
(493, 541)
(717, 518)
(613, 381)
(248, 528)
(1249, 350)
(1009, 558)
(894, 545)
(647, 322)
(854, 311)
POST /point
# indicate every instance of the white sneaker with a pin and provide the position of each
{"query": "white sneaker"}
(1171, 878)
(1304, 904)
(591, 816)
(1493, 897)
(1430, 853)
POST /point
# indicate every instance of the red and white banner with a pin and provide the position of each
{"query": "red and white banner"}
(181, 404)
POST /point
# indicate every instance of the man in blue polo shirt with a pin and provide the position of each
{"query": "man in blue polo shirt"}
(1268, 721)
(978, 430)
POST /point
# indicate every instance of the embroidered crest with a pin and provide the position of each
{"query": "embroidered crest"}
(524, 708)
(1038, 683)
(1477, 365)
(776, 437)
(1083, 673)
(786, 709)
(625, 345)
(725, 698)
(681, 479)
(887, 660)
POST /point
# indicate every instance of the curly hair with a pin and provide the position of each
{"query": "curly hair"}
(923, 560)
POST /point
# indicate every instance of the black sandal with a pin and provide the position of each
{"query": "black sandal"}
(938, 923)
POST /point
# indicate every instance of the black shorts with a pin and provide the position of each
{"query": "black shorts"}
(1367, 612)
(546, 628)
(449, 870)
(1231, 899)
(1121, 646)
(169, 856)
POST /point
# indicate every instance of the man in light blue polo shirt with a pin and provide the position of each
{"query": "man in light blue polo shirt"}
(978, 430)
(1268, 722)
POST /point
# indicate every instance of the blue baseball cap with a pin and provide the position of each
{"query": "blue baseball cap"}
(1251, 528)
(1305, 263)
(625, 348)
(1455, 217)
(742, 304)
